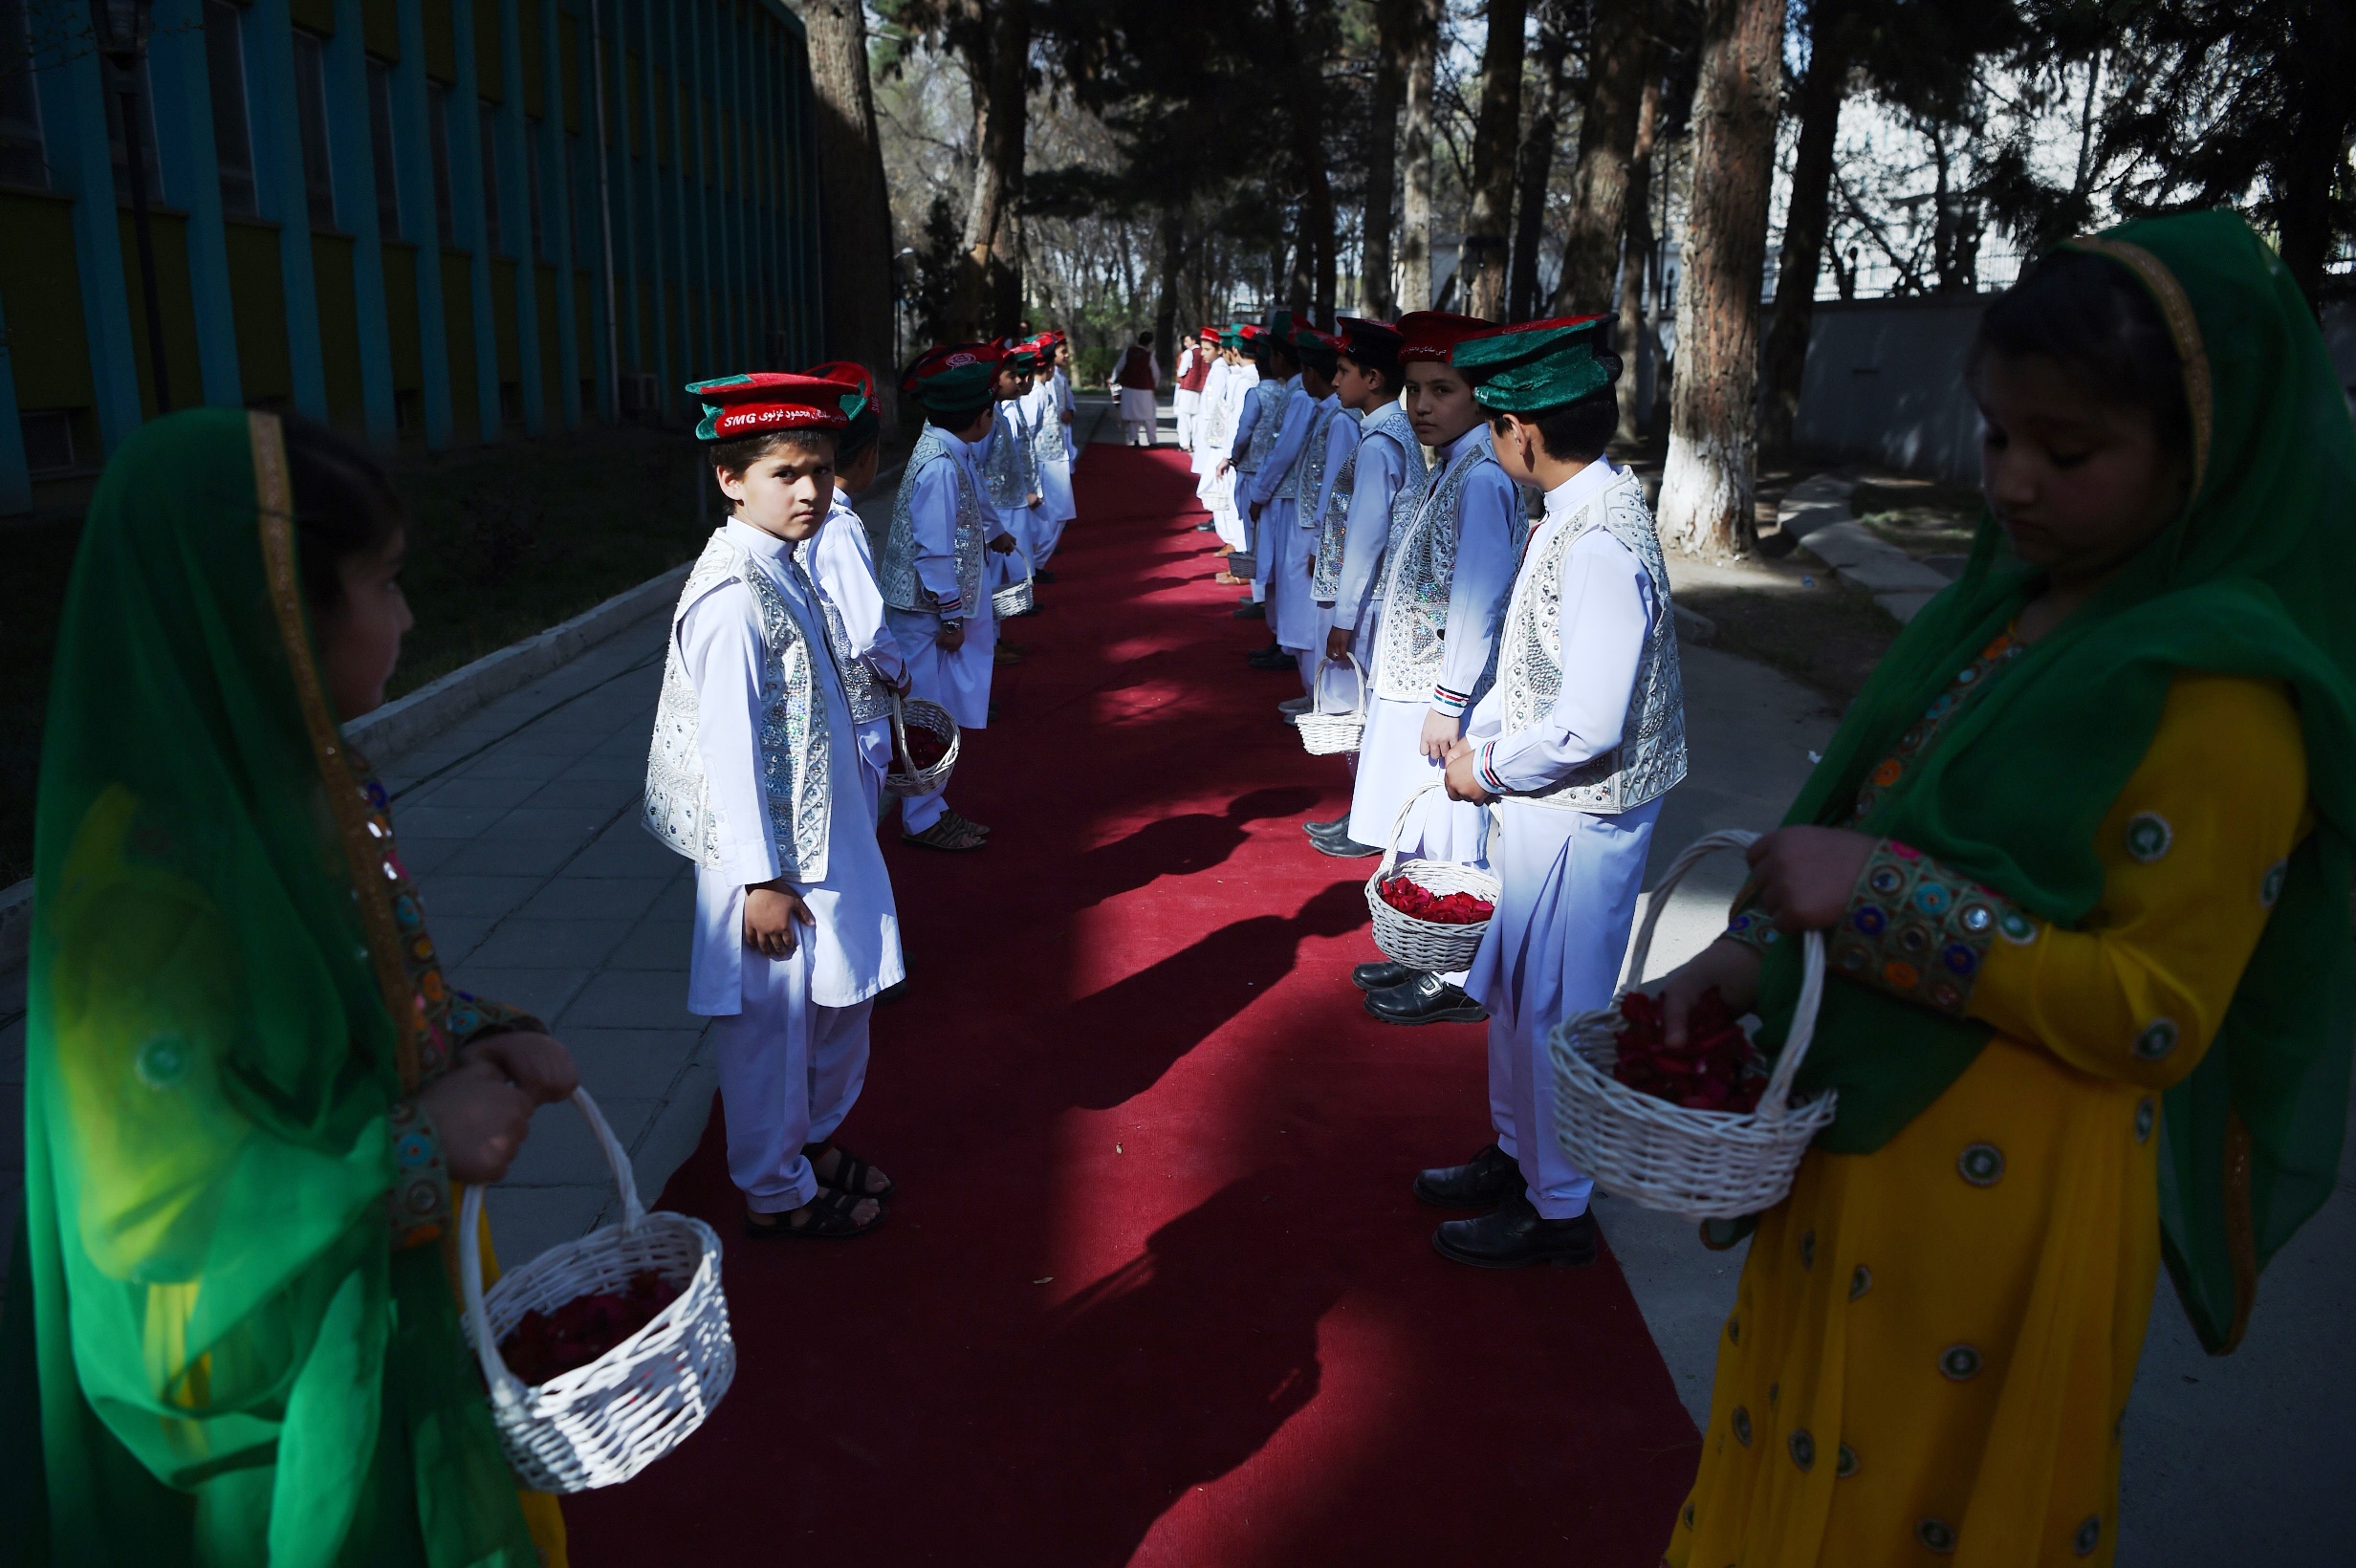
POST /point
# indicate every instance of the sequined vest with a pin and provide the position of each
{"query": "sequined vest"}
(1333, 528)
(1650, 758)
(1006, 462)
(1273, 395)
(1410, 647)
(896, 573)
(796, 748)
(861, 689)
(1307, 475)
(1047, 440)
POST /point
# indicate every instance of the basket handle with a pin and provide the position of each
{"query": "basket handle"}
(1358, 708)
(1772, 1101)
(900, 737)
(1398, 825)
(506, 1387)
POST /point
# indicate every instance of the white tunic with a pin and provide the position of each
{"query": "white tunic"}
(1570, 880)
(959, 681)
(855, 943)
(843, 565)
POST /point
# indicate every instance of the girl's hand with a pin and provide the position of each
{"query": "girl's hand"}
(1439, 734)
(1729, 966)
(481, 1118)
(771, 910)
(536, 1063)
(1804, 875)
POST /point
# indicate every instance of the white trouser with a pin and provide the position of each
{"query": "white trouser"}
(790, 1072)
(1188, 403)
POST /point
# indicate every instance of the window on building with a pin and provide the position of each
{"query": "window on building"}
(310, 119)
(487, 127)
(144, 101)
(380, 148)
(536, 138)
(22, 158)
(438, 131)
(48, 435)
(233, 141)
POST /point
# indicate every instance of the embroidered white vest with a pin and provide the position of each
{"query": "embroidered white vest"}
(1333, 529)
(1650, 758)
(1308, 474)
(1007, 461)
(896, 573)
(1273, 395)
(796, 749)
(1410, 647)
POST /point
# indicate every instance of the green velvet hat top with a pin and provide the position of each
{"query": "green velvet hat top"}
(1535, 365)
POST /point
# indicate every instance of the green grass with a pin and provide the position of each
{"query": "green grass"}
(504, 541)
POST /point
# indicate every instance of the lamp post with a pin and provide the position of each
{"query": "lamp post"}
(120, 28)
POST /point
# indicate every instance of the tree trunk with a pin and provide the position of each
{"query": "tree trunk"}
(990, 275)
(1415, 157)
(1618, 61)
(1173, 238)
(1636, 335)
(1707, 488)
(1537, 164)
(1806, 218)
(1495, 133)
(1393, 23)
(853, 199)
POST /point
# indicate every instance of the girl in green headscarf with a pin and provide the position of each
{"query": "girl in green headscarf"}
(2082, 855)
(230, 1336)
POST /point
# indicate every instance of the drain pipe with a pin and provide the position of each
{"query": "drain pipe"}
(606, 218)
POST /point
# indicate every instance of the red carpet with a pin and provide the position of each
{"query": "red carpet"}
(1156, 1291)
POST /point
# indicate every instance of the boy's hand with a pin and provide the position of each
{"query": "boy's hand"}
(948, 640)
(1463, 778)
(1439, 734)
(1337, 642)
(1256, 508)
(1220, 472)
(1003, 544)
(1036, 499)
(536, 1063)
(771, 910)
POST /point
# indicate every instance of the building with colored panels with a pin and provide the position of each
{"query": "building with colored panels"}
(435, 222)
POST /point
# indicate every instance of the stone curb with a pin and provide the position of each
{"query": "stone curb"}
(1816, 512)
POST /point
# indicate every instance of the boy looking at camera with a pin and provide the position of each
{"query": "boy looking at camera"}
(755, 775)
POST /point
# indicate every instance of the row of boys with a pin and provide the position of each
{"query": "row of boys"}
(1521, 685)
(790, 646)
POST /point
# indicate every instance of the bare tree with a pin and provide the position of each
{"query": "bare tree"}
(1617, 64)
(1806, 215)
(1537, 165)
(1495, 136)
(853, 196)
(1707, 487)
(1394, 24)
(1636, 262)
(990, 283)
(1415, 155)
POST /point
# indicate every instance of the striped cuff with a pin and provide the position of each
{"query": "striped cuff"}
(419, 1206)
(952, 608)
(1485, 765)
(1918, 930)
(1450, 703)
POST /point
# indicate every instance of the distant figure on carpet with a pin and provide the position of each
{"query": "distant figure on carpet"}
(1572, 750)
(755, 775)
(1134, 379)
(1045, 411)
(1011, 477)
(934, 560)
(1063, 398)
(841, 564)
(1194, 364)
(2081, 853)
(1259, 422)
(251, 1093)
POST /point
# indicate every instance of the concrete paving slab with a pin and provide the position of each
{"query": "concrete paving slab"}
(658, 942)
(625, 849)
(544, 992)
(521, 857)
(519, 942)
(465, 892)
(1847, 544)
(1884, 575)
(562, 1151)
(631, 999)
(538, 819)
(527, 1221)
(631, 1063)
(596, 898)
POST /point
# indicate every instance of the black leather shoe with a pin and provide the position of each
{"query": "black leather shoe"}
(1483, 1182)
(1326, 830)
(1382, 975)
(1426, 999)
(1512, 1237)
(1250, 612)
(1042, 574)
(1342, 848)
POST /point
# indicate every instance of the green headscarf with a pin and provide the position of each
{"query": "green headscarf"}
(2254, 579)
(234, 1363)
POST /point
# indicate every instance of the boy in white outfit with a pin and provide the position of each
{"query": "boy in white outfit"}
(1574, 748)
(1049, 438)
(755, 775)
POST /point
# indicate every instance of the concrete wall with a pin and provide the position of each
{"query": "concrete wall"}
(1885, 382)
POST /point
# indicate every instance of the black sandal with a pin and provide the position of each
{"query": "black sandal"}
(850, 1174)
(830, 1220)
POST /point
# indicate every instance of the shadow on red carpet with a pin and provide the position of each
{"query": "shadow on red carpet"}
(1156, 1291)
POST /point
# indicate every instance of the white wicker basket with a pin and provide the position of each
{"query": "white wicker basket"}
(1014, 599)
(904, 778)
(1328, 734)
(1705, 1165)
(1423, 944)
(603, 1423)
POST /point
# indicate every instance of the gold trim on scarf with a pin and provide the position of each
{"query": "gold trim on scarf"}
(274, 503)
(2183, 326)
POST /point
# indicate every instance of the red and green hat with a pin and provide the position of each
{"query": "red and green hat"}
(1317, 348)
(1022, 355)
(1536, 365)
(1429, 337)
(953, 377)
(762, 400)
